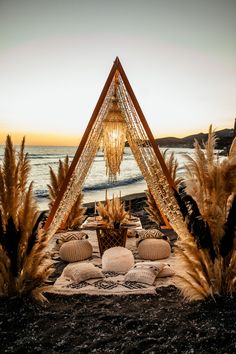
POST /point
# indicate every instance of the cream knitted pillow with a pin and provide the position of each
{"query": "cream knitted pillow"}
(76, 250)
(144, 273)
(153, 249)
(117, 259)
(82, 271)
(167, 271)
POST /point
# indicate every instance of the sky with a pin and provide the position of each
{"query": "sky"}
(55, 56)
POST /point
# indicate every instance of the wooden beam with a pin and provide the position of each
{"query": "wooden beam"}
(81, 145)
(145, 124)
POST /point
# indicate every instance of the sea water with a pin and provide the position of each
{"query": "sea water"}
(96, 183)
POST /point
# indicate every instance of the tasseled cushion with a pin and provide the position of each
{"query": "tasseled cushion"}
(82, 271)
(154, 249)
(144, 272)
(167, 271)
(76, 250)
(117, 259)
(69, 236)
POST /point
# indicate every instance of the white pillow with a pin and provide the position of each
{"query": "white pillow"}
(144, 272)
(82, 271)
(167, 271)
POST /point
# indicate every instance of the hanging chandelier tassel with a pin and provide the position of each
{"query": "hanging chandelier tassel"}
(114, 138)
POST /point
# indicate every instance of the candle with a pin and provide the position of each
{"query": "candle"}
(130, 209)
(95, 209)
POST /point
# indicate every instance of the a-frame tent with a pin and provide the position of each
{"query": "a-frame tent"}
(142, 144)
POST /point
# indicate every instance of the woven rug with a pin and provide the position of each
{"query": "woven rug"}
(112, 283)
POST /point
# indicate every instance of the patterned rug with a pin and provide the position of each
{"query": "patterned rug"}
(112, 283)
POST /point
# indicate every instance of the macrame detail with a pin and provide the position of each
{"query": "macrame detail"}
(119, 105)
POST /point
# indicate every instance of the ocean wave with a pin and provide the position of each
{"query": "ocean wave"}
(48, 156)
(106, 185)
(49, 163)
(43, 193)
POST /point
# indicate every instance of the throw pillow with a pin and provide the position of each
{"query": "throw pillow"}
(69, 236)
(167, 271)
(82, 271)
(144, 272)
(150, 233)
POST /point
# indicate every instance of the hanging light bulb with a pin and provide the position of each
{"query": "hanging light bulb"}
(114, 137)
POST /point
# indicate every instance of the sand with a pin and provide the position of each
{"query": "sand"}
(161, 323)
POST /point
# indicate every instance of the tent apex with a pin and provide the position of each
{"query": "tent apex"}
(117, 60)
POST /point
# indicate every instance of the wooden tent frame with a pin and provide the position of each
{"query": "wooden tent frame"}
(117, 67)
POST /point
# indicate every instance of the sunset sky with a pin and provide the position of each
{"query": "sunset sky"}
(55, 55)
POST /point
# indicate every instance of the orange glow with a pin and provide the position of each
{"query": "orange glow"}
(41, 139)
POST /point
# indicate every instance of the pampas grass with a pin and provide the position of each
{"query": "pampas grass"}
(24, 262)
(112, 212)
(206, 259)
(152, 209)
(77, 213)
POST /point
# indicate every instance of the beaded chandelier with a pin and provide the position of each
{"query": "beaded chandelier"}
(113, 138)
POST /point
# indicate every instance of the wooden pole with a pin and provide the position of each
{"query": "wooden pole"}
(145, 124)
(81, 146)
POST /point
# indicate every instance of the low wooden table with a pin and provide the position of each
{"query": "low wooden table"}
(110, 237)
(95, 222)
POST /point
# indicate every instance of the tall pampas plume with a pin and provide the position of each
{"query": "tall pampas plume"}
(24, 262)
(77, 213)
(112, 212)
(206, 259)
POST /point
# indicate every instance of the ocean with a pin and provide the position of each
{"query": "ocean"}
(129, 181)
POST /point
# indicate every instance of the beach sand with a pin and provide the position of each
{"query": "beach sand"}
(160, 323)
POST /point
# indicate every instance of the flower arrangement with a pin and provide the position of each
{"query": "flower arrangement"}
(112, 212)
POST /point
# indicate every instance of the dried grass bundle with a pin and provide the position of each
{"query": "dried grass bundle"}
(24, 263)
(112, 212)
(77, 213)
(152, 209)
(206, 260)
(172, 166)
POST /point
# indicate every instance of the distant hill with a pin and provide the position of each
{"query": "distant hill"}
(224, 141)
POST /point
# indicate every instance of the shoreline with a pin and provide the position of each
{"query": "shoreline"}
(43, 206)
(127, 197)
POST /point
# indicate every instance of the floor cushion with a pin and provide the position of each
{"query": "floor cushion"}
(153, 249)
(117, 259)
(76, 250)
